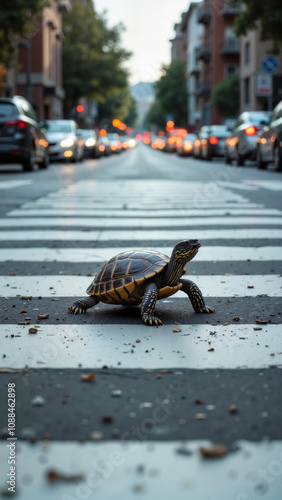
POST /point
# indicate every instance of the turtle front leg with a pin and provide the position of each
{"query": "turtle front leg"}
(80, 306)
(148, 306)
(195, 296)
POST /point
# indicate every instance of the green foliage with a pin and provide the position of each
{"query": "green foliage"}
(18, 17)
(118, 104)
(171, 96)
(95, 54)
(226, 96)
(265, 15)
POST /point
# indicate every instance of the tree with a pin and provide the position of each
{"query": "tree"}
(17, 18)
(155, 116)
(171, 95)
(267, 16)
(96, 57)
(118, 104)
(226, 96)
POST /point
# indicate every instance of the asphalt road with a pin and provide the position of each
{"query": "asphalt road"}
(157, 395)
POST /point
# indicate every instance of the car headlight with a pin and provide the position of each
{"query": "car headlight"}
(89, 142)
(67, 143)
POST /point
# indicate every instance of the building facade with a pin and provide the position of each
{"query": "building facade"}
(253, 91)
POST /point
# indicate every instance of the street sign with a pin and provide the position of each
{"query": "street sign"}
(263, 85)
(270, 64)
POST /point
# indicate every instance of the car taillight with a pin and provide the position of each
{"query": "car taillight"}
(15, 123)
(250, 130)
(213, 140)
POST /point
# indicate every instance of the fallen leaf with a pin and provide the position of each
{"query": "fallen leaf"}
(176, 330)
(224, 324)
(215, 451)
(23, 323)
(9, 370)
(43, 316)
(26, 297)
(236, 318)
(23, 311)
(107, 419)
(200, 416)
(257, 328)
(211, 349)
(251, 286)
(32, 330)
(53, 476)
(233, 409)
(198, 401)
(261, 321)
(165, 371)
(88, 377)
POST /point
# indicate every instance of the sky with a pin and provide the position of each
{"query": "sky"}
(149, 27)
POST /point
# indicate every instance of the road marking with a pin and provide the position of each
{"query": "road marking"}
(90, 346)
(139, 235)
(136, 467)
(140, 223)
(13, 184)
(206, 254)
(270, 185)
(79, 211)
(211, 286)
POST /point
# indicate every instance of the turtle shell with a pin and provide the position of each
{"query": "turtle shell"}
(120, 280)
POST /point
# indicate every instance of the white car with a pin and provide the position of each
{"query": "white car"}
(242, 143)
(64, 140)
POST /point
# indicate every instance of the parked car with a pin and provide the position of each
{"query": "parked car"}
(242, 143)
(214, 144)
(90, 143)
(186, 146)
(64, 140)
(104, 146)
(115, 143)
(202, 136)
(21, 138)
(269, 142)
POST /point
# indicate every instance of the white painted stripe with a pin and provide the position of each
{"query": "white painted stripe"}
(75, 211)
(142, 223)
(13, 184)
(92, 346)
(206, 254)
(211, 286)
(270, 185)
(112, 469)
(237, 185)
(109, 206)
(135, 235)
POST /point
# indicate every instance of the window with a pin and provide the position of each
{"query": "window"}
(229, 70)
(246, 91)
(247, 50)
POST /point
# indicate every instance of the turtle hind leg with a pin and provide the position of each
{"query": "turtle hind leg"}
(80, 306)
(148, 306)
(195, 296)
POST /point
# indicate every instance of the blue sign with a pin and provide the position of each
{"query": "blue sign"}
(270, 64)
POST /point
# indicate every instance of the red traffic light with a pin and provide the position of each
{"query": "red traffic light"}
(79, 108)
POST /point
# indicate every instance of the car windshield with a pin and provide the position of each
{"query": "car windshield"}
(58, 126)
(219, 130)
(85, 133)
(259, 118)
(7, 109)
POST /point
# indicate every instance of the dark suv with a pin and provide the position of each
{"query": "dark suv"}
(21, 138)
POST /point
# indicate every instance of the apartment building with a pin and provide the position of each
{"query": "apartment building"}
(254, 96)
(218, 52)
(179, 42)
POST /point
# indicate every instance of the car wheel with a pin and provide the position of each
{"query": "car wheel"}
(45, 162)
(260, 163)
(277, 158)
(29, 162)
(239, 159)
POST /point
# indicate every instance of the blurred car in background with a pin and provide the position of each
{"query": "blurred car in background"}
(104, 146)
(158, 142)
(242, 143)
(115, 143)
(174, 139)
(64, 140)
(202, 136)
(214, 144)
(186, 146)
(269, 142)
(90, 143)
(21, 138)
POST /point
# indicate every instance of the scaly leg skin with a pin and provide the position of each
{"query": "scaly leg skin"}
(148, 306)
(81, 305)
(195, 296)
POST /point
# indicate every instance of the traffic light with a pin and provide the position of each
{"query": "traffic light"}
(79, 108)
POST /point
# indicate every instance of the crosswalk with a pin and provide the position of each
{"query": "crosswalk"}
(63, 239)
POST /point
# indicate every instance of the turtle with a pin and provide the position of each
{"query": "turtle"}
(144, 276)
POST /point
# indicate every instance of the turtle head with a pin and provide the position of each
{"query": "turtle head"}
(185, 251)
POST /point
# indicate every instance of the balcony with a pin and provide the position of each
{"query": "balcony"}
(194, 69)
(203, 88)
(203, 52)
(204, 15)
(227, 11)
(230, 46)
